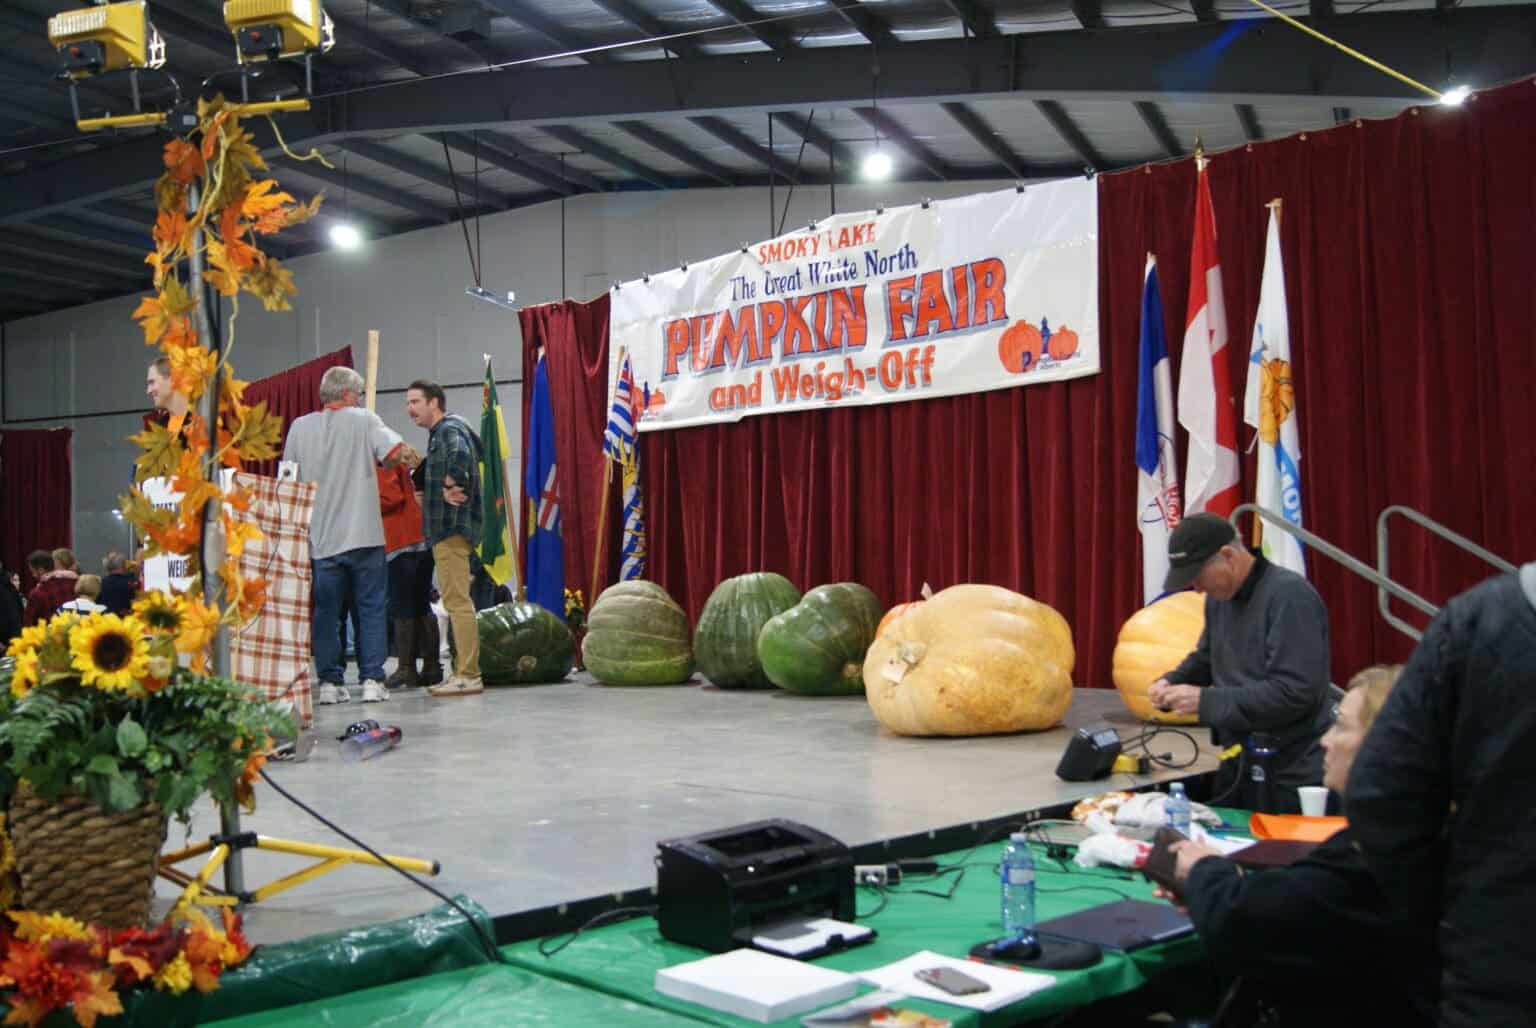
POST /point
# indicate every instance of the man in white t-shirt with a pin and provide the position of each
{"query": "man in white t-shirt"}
(338, 449)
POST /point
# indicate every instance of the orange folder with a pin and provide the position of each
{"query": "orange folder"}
(1294, 826)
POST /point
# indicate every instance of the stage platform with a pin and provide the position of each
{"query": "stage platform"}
(538, 795)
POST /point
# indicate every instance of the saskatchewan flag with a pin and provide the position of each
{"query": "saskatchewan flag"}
(495, 540)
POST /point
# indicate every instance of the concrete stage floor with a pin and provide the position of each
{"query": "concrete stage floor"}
(537, 795)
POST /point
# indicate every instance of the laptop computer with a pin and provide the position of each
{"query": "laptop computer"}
(1124, 925)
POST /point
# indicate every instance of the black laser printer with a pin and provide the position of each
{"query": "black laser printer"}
(714, 889)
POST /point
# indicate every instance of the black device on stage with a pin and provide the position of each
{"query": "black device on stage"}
(715, 888)
(1091, 753)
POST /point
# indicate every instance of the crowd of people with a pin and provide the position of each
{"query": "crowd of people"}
(57, 584)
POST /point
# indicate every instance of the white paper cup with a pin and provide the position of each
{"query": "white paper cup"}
(1314, 800)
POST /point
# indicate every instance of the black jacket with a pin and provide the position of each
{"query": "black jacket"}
(117, 593)
(1312, 941)
(1264, 654)
(11, 607)
(1441, 801)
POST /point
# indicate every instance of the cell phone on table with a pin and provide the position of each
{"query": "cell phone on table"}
(1161, 866)
(956, 983)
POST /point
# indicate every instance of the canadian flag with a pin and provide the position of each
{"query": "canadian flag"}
(1205, 383)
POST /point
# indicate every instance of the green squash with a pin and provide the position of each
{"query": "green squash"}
(725, 643)
(638, 635)
(523, 644)
(817, 646)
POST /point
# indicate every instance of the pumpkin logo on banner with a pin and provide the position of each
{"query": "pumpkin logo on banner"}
(872, 307)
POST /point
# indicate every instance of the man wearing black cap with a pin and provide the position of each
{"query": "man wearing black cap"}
(1259, 674)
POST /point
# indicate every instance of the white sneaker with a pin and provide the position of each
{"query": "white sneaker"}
(374, 692)
(330, 695)
(457, 686)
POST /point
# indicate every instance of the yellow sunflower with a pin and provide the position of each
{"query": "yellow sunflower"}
(175, 977)
(109, 651)
(30, 638)
(160, 613)
(32, 927)
(24, 674)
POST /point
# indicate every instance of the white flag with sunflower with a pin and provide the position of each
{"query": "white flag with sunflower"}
(1269, 405)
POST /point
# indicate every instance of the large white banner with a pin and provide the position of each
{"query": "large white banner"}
(956, 296)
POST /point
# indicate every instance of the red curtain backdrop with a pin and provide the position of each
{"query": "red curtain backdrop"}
(35, 495)
(1409, 278)
(292, 394)
(575, 336)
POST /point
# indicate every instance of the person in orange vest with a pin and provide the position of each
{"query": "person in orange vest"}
(410, 576)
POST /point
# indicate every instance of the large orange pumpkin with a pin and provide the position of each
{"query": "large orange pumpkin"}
(973, 660)
(1152, 642)
(1020, 347)
(900, 609)
(1063, 344)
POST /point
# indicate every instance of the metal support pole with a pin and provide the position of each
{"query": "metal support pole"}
(212, 557)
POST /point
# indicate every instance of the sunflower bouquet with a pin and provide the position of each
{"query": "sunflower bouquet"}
(101, 706)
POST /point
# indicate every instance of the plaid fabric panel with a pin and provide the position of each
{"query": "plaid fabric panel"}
(272, 651)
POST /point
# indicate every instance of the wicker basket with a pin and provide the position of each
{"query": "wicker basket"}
(72, 858)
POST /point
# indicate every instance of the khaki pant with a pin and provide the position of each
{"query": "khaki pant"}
(452, 557)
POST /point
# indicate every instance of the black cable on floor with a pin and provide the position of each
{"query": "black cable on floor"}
(594, 922)
(495, 954)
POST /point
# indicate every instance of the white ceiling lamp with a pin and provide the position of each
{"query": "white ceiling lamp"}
(345, 236)
(877, 165)
(1455, 96)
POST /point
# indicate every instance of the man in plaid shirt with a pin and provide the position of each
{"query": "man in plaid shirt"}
(451, 521)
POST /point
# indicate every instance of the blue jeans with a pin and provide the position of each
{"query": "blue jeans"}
(358, 576)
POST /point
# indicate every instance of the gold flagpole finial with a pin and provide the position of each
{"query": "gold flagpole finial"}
(1200, 159)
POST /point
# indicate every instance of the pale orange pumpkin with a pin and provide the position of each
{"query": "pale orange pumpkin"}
(973, 660)
(900, 609)
(1020, 347)
(1063, 344)
(1152, 642)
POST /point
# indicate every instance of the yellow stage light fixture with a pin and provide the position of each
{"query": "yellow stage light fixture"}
(267, 30)
(109, 37)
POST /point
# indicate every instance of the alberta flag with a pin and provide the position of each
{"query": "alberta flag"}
(621, 446)
(1269, 405)
(546, 555)
(1205, 382)
(495, 537)
(1157, 465)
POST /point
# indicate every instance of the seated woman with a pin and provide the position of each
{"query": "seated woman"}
(1311, 941)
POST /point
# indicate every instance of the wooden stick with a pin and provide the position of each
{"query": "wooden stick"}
(371, 379)
(602, 530)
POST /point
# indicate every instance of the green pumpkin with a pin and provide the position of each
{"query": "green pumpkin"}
(817, 646)
(521, 643)
(725, 643)
(637, 635)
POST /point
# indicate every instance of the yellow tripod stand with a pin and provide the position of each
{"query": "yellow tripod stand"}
(196, 888)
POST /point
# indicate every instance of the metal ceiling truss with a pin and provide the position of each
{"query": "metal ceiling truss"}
(607, 154)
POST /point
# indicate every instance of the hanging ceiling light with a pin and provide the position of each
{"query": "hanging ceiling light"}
(1455, 96)
(345, 236)
(877, 165)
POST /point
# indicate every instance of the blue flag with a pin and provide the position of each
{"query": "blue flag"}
(541, 481)
(1157, 468)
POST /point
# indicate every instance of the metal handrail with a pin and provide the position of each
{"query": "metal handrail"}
(1317, 543)
(1383, 601)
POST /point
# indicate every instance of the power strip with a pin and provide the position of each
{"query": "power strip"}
(878, 875)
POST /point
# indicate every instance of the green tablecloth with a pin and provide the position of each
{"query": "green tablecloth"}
(623, 959)
(606, 975)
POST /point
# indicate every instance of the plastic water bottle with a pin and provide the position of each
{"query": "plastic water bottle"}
(1018, 881)
(368, 744)
(1176, 809)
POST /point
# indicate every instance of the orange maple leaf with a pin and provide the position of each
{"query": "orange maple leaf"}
(179, 335)
(183, 161)
(170, 231)
(191, 367)
(268, 210)
(95, 997)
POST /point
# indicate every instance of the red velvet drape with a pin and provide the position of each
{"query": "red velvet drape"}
(35, 495)
(575, 336)
(292, 394)
(1409, 277)
(1409, 273)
